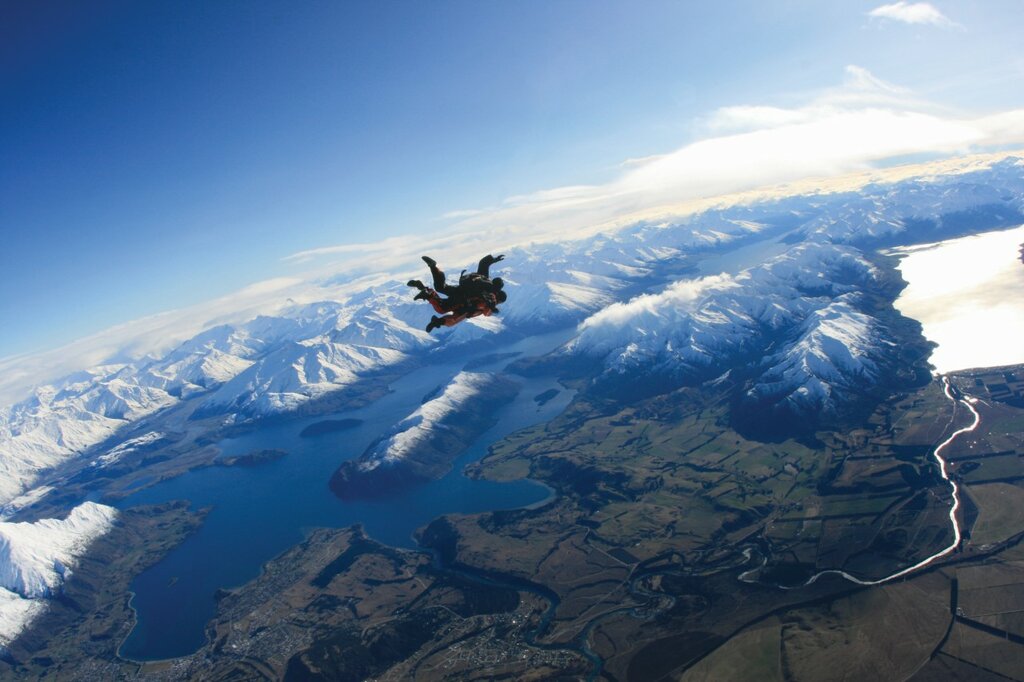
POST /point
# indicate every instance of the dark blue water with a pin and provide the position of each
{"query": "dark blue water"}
(258, 512)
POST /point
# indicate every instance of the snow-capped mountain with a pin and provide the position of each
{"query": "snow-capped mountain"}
(36, 559)
(294, 373)
(635, 290)
(797, 322)
(113, 455)
(266, 365)
(839, 350)
(16, 613)
(61, 421)
(701, 325)
(890, 213)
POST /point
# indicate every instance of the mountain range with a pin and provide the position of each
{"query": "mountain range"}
(636, 295)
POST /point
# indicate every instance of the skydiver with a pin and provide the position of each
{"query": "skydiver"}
(457, 311)
(475, 294)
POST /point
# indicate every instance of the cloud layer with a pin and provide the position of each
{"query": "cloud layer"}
(912, 13)
(850, 127)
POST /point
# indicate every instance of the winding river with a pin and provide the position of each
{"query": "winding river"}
(957, 536)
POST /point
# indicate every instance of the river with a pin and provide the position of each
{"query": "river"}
(966, 401)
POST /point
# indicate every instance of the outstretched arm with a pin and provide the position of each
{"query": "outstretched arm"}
(485, 264)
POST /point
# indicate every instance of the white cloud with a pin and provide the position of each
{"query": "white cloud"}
(383, 245)
(852, 127)
(682, 295)
(912, 13)
(820, 141)
(860, 86)
(751, 117)
(859, 90)
(461, 213)
(639, 160)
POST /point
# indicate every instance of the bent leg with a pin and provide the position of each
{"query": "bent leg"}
(439, 282)
(446, 321)
(453, 319)
(436, 273)
(439, 304)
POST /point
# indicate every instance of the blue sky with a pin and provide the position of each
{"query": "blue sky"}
(155, 155)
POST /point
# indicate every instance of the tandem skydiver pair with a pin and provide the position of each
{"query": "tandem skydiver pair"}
(476, 293)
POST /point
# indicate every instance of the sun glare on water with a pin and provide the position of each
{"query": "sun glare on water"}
(969, 295)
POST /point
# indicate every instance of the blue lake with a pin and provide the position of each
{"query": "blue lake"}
(260, 511)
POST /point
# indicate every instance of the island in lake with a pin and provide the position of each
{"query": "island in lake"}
(249, 459)
(542, 398)
(329, 426)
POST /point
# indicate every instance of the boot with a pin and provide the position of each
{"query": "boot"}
(415, 283)
(424, 295)
(431, 263)
(434, 323)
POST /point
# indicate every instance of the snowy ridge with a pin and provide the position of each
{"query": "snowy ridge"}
(16, 613)
(547, 288)
(839, 351)
(887, 211)
(58, 422)
(428, 418)
(22, 501)
(36, 559)
(128, 446)
(377, 329)
(295, 373)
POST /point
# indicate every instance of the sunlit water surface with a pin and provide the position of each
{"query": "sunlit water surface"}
(968, 293)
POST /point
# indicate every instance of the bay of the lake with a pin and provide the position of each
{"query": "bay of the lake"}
(257, 512)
